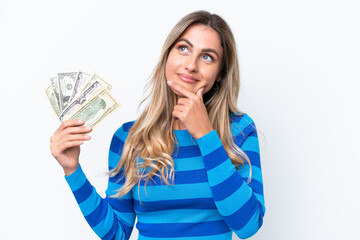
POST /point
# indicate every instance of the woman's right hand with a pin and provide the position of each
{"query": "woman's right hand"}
(66, 141)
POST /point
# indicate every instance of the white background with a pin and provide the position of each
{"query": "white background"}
(299, 63)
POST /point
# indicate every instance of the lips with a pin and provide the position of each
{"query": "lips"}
(187, 78)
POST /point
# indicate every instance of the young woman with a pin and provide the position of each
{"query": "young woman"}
(189, 166)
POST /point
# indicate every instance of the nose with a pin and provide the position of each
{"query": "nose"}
(192, 64)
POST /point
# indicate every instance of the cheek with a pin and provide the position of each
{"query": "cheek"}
(170, 66)
(210, 76)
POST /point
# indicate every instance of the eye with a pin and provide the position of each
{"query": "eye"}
(183, 49)
(208, 58)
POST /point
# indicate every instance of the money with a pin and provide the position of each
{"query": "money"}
(66, 87)
(79, 83)
(55, 85)
(94, 77)
(86, 94)
(78, 95)
(96, 109)
(53, 100)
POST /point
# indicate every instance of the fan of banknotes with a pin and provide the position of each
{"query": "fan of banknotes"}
(78, 95)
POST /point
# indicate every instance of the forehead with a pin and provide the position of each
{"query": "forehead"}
(203, 36)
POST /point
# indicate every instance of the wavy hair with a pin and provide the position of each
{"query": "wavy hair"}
(152, 138)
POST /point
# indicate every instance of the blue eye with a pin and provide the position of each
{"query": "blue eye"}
(207, 57)
(183, 49)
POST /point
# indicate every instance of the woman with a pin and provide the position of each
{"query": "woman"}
(189, 166)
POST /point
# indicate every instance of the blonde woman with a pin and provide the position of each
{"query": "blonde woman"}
(189, 166)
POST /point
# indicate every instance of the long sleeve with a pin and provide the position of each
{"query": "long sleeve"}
(109, 218)
(240, 204)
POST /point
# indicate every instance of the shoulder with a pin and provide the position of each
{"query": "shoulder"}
(242, 125)
(119, 137)
(123, 131)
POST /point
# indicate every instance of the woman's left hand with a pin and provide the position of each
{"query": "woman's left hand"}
(191, 111)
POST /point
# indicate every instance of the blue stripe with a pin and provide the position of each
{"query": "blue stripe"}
(254, 158)
(223, 236)
(111, 233)
(98, 214)
(161, 230)
(121, 205)
(227, 187)
(215, 158)
(180, 216)
(193, 176)
(186, 152)
(240, 197)
(165, 192)
(241, 217)
(113, 159)
(241, 129)
(127, 126)
(251, 227)
(181, 177)
(251, 144)
(244, 170)
(186, 164)
(90, 203)
(118, 178)
(116, 145)
(83, 192)
(256, 186)
(194, 203)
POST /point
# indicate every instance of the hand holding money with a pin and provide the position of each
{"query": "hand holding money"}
(80, 101)
(66, 141)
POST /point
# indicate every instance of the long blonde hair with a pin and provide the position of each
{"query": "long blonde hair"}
(152, 139)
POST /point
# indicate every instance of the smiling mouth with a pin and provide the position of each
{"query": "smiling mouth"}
(187, 78)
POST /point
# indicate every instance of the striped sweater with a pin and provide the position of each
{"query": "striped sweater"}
(209, 198)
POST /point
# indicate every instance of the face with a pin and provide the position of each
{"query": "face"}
(195, 59)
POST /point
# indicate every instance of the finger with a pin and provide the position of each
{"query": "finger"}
(70, 123)
(78, 130)
(180, 89)
(177, 114)
(184, 101)
(76, 137)
(58, 148)
(62, 144)
(200, 92)
(65, 145)
(69, 131)
(179, 108)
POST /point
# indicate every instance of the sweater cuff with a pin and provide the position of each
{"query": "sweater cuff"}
(76, 179)
(209, 142)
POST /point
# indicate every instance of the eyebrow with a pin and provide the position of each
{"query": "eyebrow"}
(202, 50)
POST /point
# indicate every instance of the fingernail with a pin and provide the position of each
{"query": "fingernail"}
(80, 121)
(87, 128)
(169, 82)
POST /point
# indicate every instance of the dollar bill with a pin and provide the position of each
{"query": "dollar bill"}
(97, 108)
(95, 77)
(52, 98)
(87, 94)
(66, 87)
(55, 85)
(79, 83)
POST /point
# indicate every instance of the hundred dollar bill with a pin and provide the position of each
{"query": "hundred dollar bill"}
(79, 83)
(52, 99)
(96, 109)
(94, 77)
(66, 87)
(55, 85)
(87, 94)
